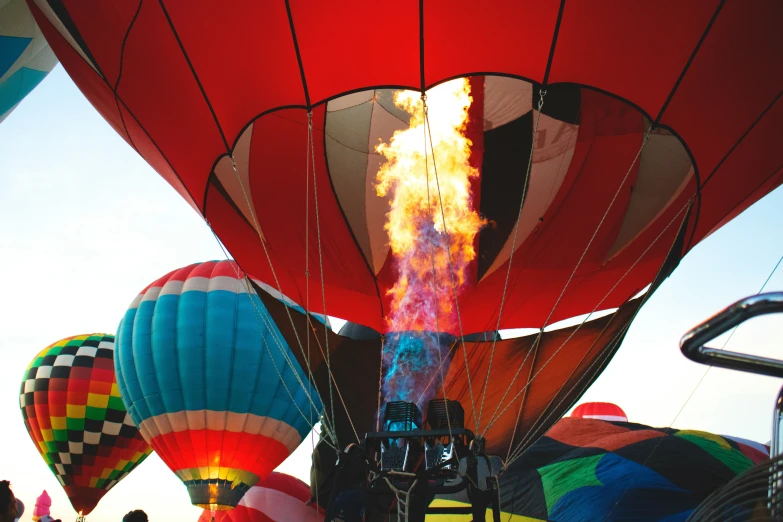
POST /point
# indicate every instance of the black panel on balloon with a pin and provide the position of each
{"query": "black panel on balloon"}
(503, 173)
(561, 102)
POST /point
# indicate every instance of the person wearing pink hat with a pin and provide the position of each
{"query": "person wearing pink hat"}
(42, 506)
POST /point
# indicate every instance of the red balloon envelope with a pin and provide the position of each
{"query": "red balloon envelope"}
(277, 497)
(215, 98)
(600, 410)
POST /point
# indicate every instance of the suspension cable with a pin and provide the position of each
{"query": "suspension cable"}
(257, 227)
(563, 344)
(380, 387)
(584, 252)
(541, 94)
(321, 268)
(425, 120)
(687, 205)
(435, 374)
(532, 435)
(307, 259)
(536, 346)
(691, 394)
(279, 287)
(269, 327)
(447, 248)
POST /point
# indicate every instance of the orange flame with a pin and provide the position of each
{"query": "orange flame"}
(423, 296)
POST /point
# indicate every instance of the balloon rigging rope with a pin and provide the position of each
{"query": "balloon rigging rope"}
(260, 316)
(279, 288)
(573, 272)
(536, 347)
(541, 94)
(570, 136)
(307, 262)
(425, 109)
(267, 325)
(517, 452)
(380, 387)
(497, 327)
(531, 436)
(257, 227)
(693, 392)
(272, 329)
(323, 283)
(447, 248)
(288, 311)
(432, 379)
(307, 306)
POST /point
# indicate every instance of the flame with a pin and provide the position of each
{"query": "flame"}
(431, 260)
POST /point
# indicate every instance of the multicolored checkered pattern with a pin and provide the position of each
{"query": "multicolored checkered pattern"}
(73, 411)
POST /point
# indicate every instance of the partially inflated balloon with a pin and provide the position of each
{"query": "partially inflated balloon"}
(25, 57)
(278, 497)
(72, 409)
(588, 469)
(210, 381)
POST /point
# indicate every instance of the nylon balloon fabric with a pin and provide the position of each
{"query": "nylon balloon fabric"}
(588, 469)
(601, 411)
(25, 57)
(278, 497)
(72, 410)
(638, 137)
(211, 383)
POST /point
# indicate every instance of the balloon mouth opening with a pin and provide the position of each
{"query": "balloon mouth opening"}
(217, 494)
(84, 499)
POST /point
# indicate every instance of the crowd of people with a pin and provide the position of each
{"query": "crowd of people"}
(12, 509)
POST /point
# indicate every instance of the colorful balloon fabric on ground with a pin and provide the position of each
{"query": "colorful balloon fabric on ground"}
(585, 470)
(25, 57)
(601, 411)
(277, 498)
(210, 382)
(73, 411)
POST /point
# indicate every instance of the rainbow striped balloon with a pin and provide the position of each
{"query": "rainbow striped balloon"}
(72, 409)
(211, 383)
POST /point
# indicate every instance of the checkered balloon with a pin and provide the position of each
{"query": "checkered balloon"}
(73, 411)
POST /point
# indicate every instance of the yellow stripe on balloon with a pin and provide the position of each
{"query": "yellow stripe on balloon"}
(505, 517)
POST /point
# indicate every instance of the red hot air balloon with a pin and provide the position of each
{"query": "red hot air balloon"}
(600, 410)
(608, 196)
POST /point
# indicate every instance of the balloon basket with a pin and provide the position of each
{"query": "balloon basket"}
(408, 467)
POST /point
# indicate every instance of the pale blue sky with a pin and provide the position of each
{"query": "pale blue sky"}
(85, 224)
